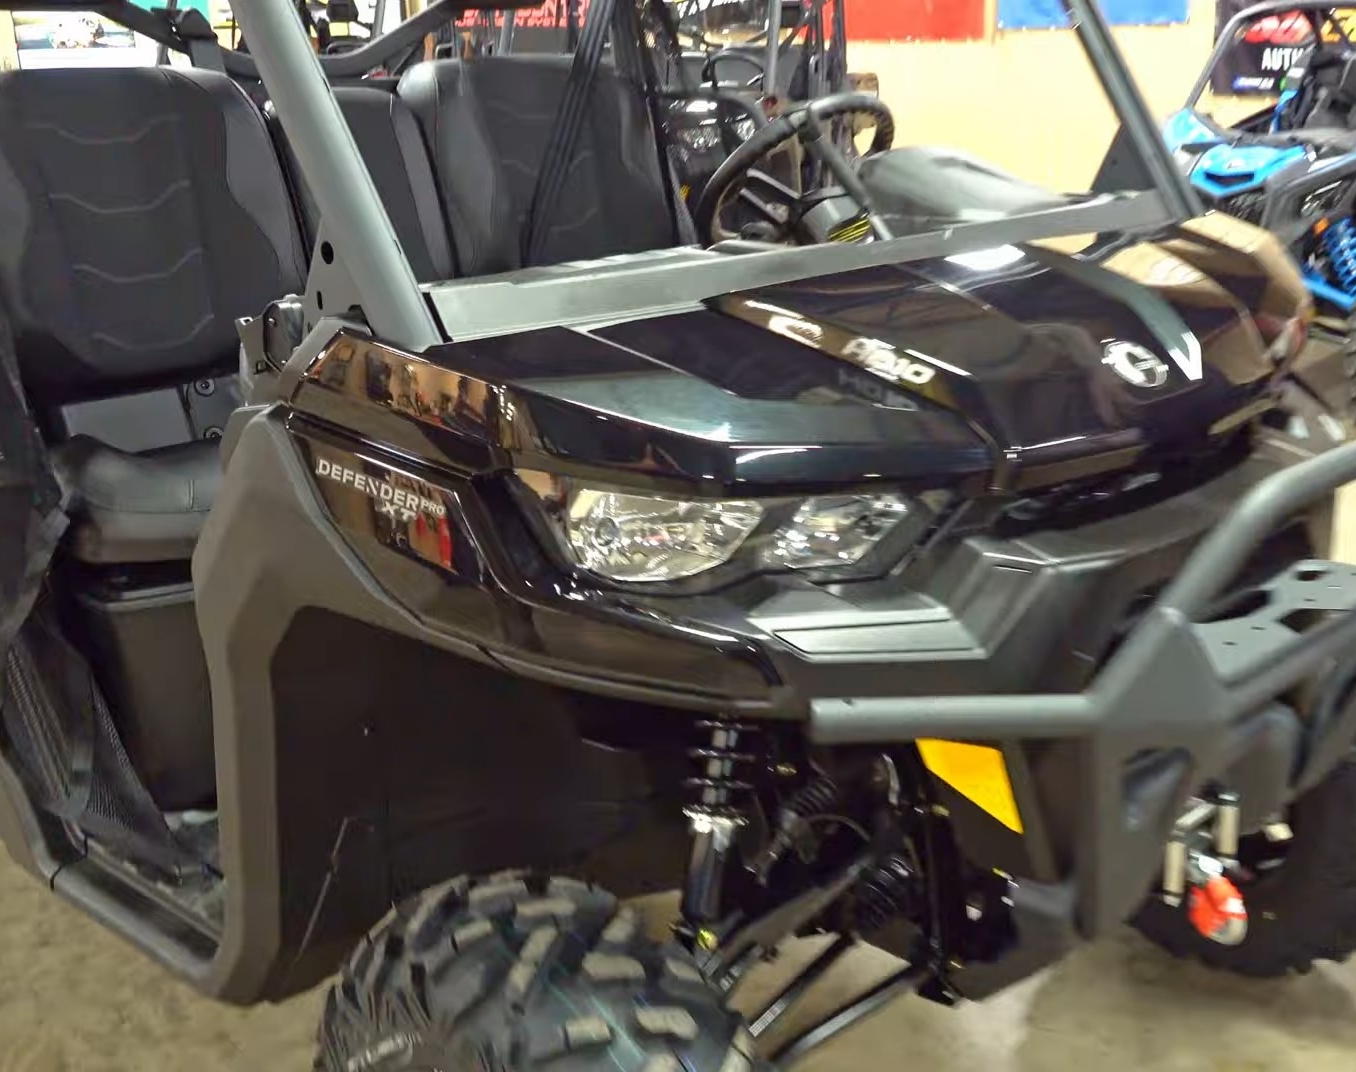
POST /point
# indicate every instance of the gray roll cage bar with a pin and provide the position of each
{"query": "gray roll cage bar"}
(1225, 42)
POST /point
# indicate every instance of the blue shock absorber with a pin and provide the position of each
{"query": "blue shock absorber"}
(1340, 242)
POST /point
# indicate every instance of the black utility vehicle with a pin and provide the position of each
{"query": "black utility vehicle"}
(958, 586)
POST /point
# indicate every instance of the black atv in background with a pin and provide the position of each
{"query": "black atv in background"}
(420, 497)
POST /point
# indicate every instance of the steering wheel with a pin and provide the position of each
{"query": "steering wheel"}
(733, 55)
(773, 201)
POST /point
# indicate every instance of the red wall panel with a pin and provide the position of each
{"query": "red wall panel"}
(915, 20)
(868, 20)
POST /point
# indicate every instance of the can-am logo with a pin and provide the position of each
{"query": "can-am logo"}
(396, 503)
(1135, 364)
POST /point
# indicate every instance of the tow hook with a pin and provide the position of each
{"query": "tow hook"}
(1203, 849)
(1216, 908)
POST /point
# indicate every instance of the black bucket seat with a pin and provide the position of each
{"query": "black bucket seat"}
(392, 146)
(142, 211)
(487, 123)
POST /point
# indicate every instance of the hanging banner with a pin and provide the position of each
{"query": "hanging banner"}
(535, 29)
(1050, 14)
(915, 20)
(1267, 49)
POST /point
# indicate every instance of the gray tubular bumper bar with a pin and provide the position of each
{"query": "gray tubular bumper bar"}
(1180, 687)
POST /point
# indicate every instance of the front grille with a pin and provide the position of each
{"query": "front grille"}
(1249, 206)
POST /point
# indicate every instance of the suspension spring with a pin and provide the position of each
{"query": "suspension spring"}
(1339, 240)
(720, 791)
(721, 785)
(890, 891)
(819, 797)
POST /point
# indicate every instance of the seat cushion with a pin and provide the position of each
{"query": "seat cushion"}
(142, 211)
(487, 123)
(137, 507)
(391, 145)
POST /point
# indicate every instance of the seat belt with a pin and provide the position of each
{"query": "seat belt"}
(25, 475)
(560, 150)
(667, 28)
(685, 228)
(193, 29)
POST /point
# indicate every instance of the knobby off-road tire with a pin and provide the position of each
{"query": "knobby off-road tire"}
(1303, 911)
(516, 973)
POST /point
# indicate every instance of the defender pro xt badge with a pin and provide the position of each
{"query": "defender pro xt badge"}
(396, 502)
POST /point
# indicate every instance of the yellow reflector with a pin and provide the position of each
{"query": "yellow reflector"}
(977, 772)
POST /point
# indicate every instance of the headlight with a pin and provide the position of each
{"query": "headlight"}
(838, 531)
(636, 538)
(1186, 160)
(642, 538)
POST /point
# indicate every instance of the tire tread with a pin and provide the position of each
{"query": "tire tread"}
(524, 972)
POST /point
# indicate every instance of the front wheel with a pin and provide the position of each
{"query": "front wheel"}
(524, 973)
(1300, 896)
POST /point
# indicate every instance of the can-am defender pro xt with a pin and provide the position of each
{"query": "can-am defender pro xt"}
(944, 592)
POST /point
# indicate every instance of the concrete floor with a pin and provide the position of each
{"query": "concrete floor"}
(75, 999)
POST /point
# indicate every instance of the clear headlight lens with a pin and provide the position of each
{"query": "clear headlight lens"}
(642, 538)
(1186, 160)
(633, 538)
(836, 531)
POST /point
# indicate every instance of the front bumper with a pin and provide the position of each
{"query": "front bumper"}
(1187, 688)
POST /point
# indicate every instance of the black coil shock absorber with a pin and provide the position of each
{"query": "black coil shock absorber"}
(720, 793)
(888, 892)
(818, 797)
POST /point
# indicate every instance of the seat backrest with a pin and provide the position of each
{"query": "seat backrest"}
(142, 211)
(487, 123)
(391, 145)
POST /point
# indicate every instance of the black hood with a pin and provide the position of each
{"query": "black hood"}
(1009, 367)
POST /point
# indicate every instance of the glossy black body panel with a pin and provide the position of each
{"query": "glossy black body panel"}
(1006, 385)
